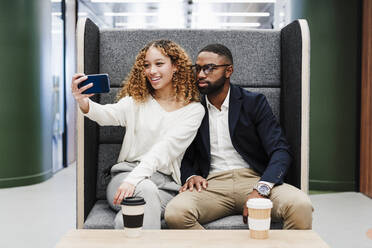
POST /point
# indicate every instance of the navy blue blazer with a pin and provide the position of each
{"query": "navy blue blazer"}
(255, 134)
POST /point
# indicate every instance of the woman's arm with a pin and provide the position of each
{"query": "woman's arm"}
(109, 114)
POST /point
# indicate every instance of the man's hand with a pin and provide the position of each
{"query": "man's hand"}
(253, 194)
(196, 181)
(124, 190)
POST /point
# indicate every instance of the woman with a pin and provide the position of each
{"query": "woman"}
(159, 106)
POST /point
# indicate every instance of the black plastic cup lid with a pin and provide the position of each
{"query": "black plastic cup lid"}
(133, 201)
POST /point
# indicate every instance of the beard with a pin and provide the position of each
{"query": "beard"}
(212, 88)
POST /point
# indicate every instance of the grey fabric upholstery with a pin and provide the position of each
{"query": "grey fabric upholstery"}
(100, 217)
(273, 97)
(265, 61)
(107, 156)
(256, 53)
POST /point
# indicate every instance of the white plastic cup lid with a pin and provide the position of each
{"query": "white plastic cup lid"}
(259, 203)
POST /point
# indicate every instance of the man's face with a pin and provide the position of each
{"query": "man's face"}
(211, 81)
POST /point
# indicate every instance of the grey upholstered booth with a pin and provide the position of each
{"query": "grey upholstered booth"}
(274, 62)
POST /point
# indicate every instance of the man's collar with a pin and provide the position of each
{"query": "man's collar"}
(225, 103)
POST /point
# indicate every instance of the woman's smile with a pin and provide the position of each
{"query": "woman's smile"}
(155, 79)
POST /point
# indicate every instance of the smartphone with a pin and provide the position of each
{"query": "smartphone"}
(101, 84)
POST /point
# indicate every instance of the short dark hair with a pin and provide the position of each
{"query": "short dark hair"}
(218, 49)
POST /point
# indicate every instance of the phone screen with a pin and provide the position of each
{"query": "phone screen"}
(101, 84)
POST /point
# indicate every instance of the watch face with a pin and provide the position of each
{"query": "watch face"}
(264, 189)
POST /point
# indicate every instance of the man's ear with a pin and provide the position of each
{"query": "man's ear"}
(229, 70)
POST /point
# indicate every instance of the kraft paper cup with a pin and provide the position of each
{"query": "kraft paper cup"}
(133, 209)
(259, 217)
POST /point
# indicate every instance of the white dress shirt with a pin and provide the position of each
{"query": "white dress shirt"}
(223, 154)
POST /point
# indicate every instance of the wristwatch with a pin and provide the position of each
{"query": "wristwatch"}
(263, 189)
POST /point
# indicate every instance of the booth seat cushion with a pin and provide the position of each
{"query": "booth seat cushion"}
(102, 217)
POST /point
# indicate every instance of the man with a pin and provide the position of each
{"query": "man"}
(239, 153)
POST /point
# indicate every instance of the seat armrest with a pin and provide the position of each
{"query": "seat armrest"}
(295, 99)
(87, 131)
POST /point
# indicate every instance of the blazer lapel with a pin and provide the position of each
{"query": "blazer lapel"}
(235, 104)
(204, 129)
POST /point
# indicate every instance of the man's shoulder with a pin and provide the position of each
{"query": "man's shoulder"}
(247, 95)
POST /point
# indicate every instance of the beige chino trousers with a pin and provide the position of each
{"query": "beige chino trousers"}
(226, 195)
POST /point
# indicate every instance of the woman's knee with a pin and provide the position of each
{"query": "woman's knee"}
(146, 188)
(112, 188)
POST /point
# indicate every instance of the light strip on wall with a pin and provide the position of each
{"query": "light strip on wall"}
(134, 1)
(234, 1)
(129, 14)
(222, 24)
(125, 24)
(239, 24)
(121, 24)
(56, 31)
(256, 14)
(171, 15)
(60, 13)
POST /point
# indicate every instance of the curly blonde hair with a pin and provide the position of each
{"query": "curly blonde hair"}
(139, 88)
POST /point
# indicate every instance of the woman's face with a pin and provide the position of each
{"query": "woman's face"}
(158, 69)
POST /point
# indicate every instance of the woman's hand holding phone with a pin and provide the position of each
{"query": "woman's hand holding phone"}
(81, 98)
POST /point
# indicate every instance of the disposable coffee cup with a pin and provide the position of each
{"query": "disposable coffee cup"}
(133, 209)
(259, 217)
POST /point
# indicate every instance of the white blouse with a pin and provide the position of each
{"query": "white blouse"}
(155, 137)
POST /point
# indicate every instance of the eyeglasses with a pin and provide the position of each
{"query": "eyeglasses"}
(207, 69)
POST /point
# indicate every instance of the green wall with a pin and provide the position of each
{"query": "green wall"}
(25, 94)
(334, 107)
